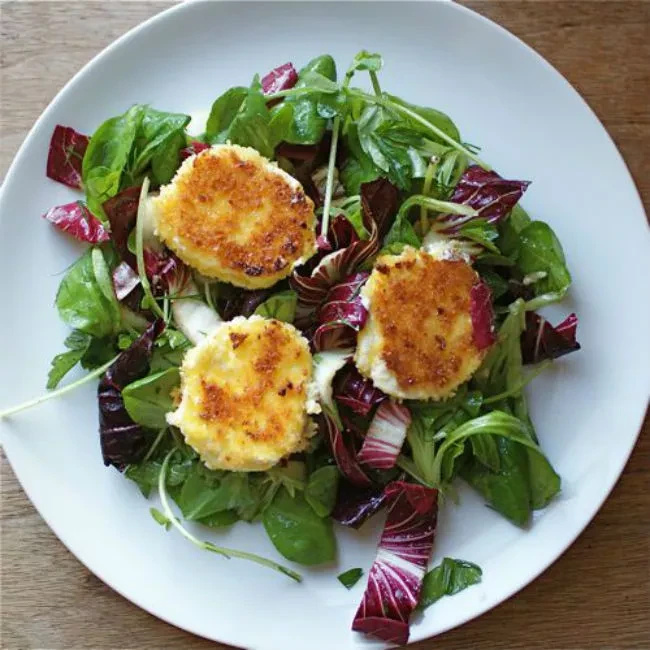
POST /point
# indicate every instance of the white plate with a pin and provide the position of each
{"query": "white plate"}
(530, 123)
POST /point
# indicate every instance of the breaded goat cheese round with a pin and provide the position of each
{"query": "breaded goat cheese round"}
(244, 395)
(418, 341)
(235, 216)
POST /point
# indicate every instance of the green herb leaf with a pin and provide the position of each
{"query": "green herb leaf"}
(297, 532)
(350, 577)
(447, 579)
(160, 518)
(308, 126)
(148, 400)
(281, 306)
(321, 490)
(61, 365)
(365, 60)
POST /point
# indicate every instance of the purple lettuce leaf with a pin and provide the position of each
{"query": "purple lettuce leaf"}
(281, 78)
(380, 201)
(76, 220)
(395, 579)
(122, 440)
(233, 301)
(482, 315)
(122, 210)
(343, 454)
(485, 191)
(540, 340)
(67, 149)
(356, 391)
(355, 505)
(385, 436)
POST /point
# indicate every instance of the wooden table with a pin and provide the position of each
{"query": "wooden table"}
(597, 595)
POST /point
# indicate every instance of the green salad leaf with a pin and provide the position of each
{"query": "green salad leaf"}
(321, 490)
(85, 299)
(350, 577)
(447, 579)
(281, 306)
(148, 400)
(297, 531)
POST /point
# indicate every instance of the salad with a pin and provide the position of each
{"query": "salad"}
(323, 308)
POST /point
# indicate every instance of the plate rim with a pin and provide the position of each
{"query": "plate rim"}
(166, 14)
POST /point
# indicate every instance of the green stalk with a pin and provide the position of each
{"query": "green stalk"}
(387, 103)
(445, 207)
(426, 189)
(329, 186)
(139, 251)
(60, 391)
(375, 82)
(208, 546)
(519, 386)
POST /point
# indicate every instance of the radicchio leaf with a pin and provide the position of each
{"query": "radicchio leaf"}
(540, 340)
(77, 220)
(355, 505)
(341, 232)
(67, 149)
(485, 191)
(312, 290)
(281, 78)
(233, 301)
(344, 456)
(480, 309)
(380, 201)
(122, 440)
(356, 392)
(166, 273)
(193, 148)
(385, 436)
(395, 579)
(125, 280)
(122, 210)
(342, 314)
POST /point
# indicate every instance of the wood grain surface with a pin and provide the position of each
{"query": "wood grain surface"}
(596, 596)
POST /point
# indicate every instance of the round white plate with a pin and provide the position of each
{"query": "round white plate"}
(530, 123)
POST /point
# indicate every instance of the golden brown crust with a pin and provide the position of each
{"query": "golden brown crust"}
(231, 217)
(244, 395)
(420, 320)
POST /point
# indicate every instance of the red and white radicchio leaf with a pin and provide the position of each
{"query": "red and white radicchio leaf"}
(281, 78)
(485, 191)
(341, 315)
(193, 148)
(386, 435)
(482, 315)
(77, 220)
(125, 280)
(395, 579)
(540, 340)
(67, 149)
(343, 454)
(356, 391)
(166, 273)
